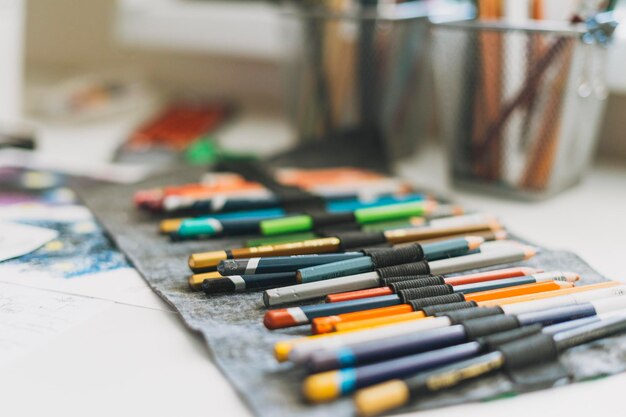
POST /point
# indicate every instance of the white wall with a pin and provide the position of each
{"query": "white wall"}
(11, 59)
(77, 35)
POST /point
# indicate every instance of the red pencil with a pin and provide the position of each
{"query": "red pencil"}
(456, 280)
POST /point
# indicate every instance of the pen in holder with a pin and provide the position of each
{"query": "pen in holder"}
(357, 75)
(520, 106)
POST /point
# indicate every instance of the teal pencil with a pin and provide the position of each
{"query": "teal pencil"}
(431, 252)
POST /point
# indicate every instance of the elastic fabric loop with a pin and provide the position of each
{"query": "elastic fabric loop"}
(461, 316)
(424, 292)
(416, 283)
(433, 310)
(395, 256)
(433, 301)
(414, 268)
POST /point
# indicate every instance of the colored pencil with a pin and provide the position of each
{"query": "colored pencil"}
(203, 261)
(296, 316)
(403, 312)
(252, 266)
(383, 318)
(405, 356)
(258, 197)
(432, 252)
(365, 280)
(285, 350)
(276, 240)
(398, 392)
(239, 283)
(457, 331)
(172, 225)
(306, 223)
(216, 283)
(392, 289)
(488, 235)
(225, 225)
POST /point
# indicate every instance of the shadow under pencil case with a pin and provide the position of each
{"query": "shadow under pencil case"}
(521, 105)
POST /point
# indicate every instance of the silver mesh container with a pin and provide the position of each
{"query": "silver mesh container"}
(359, 74)
(520, 106)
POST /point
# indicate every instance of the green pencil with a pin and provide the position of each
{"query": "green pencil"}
(307, 223)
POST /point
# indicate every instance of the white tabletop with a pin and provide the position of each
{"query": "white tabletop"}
(136, 357)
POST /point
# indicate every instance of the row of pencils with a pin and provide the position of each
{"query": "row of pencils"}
(425, 298)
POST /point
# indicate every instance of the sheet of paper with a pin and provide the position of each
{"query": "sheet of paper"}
(121, 285)
(79, 261)
(30, 318)
(20, 239)
(105, 171)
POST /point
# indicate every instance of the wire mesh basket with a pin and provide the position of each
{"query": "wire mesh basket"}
(520, 106)
(358, 74)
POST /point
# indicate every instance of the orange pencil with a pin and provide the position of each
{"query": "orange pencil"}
(326, 324)
(539, 296)
(476, 297)
(283, 348)
(456, 280)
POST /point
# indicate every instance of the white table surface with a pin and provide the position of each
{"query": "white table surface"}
(137, 358)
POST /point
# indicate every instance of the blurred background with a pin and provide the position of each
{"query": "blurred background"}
(84, 82)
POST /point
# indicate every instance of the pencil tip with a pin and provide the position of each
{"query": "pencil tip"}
(571, 276)
(457, 210)
(494, 224)
(500, 234)
(529, 252)
(322, 325)
(474, 242)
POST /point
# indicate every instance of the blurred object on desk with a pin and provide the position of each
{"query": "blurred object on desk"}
(528, 133)
(89, 96)
(179, 125)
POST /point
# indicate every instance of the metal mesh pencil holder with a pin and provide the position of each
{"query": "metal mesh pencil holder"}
(358, 74)
(520, 106)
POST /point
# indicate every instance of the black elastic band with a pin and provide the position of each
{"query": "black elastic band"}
(385, 282)
(433, 310)
(358, 240)
(424, 292)
(334, 230)
(533, 350)
(395, 256)
(416, 283)
(494, 341)
(323, 219)
(433, 301)
(461, 316)
(414, 268)
(484, 326)
(294, 200)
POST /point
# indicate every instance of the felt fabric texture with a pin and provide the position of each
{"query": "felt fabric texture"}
(242, 347)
